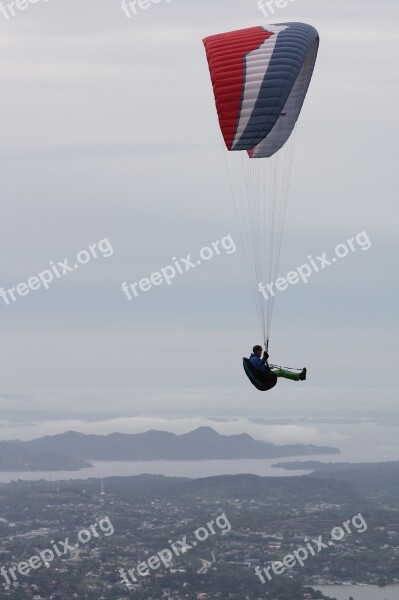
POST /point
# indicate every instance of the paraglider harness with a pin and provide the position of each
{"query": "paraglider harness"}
(262, 380)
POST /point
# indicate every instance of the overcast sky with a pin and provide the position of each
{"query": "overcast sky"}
(108, 131)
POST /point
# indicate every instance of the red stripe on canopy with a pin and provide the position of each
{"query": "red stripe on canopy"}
(225, 53)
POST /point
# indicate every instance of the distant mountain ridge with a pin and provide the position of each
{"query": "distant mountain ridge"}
(203, 443)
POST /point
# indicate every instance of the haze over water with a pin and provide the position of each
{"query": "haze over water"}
(360, 592)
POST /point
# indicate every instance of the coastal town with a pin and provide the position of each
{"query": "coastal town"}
(194, 537)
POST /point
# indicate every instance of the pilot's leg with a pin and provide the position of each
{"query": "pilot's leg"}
(289, 374)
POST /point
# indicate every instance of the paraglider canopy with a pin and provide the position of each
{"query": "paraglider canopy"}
(260, 78)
